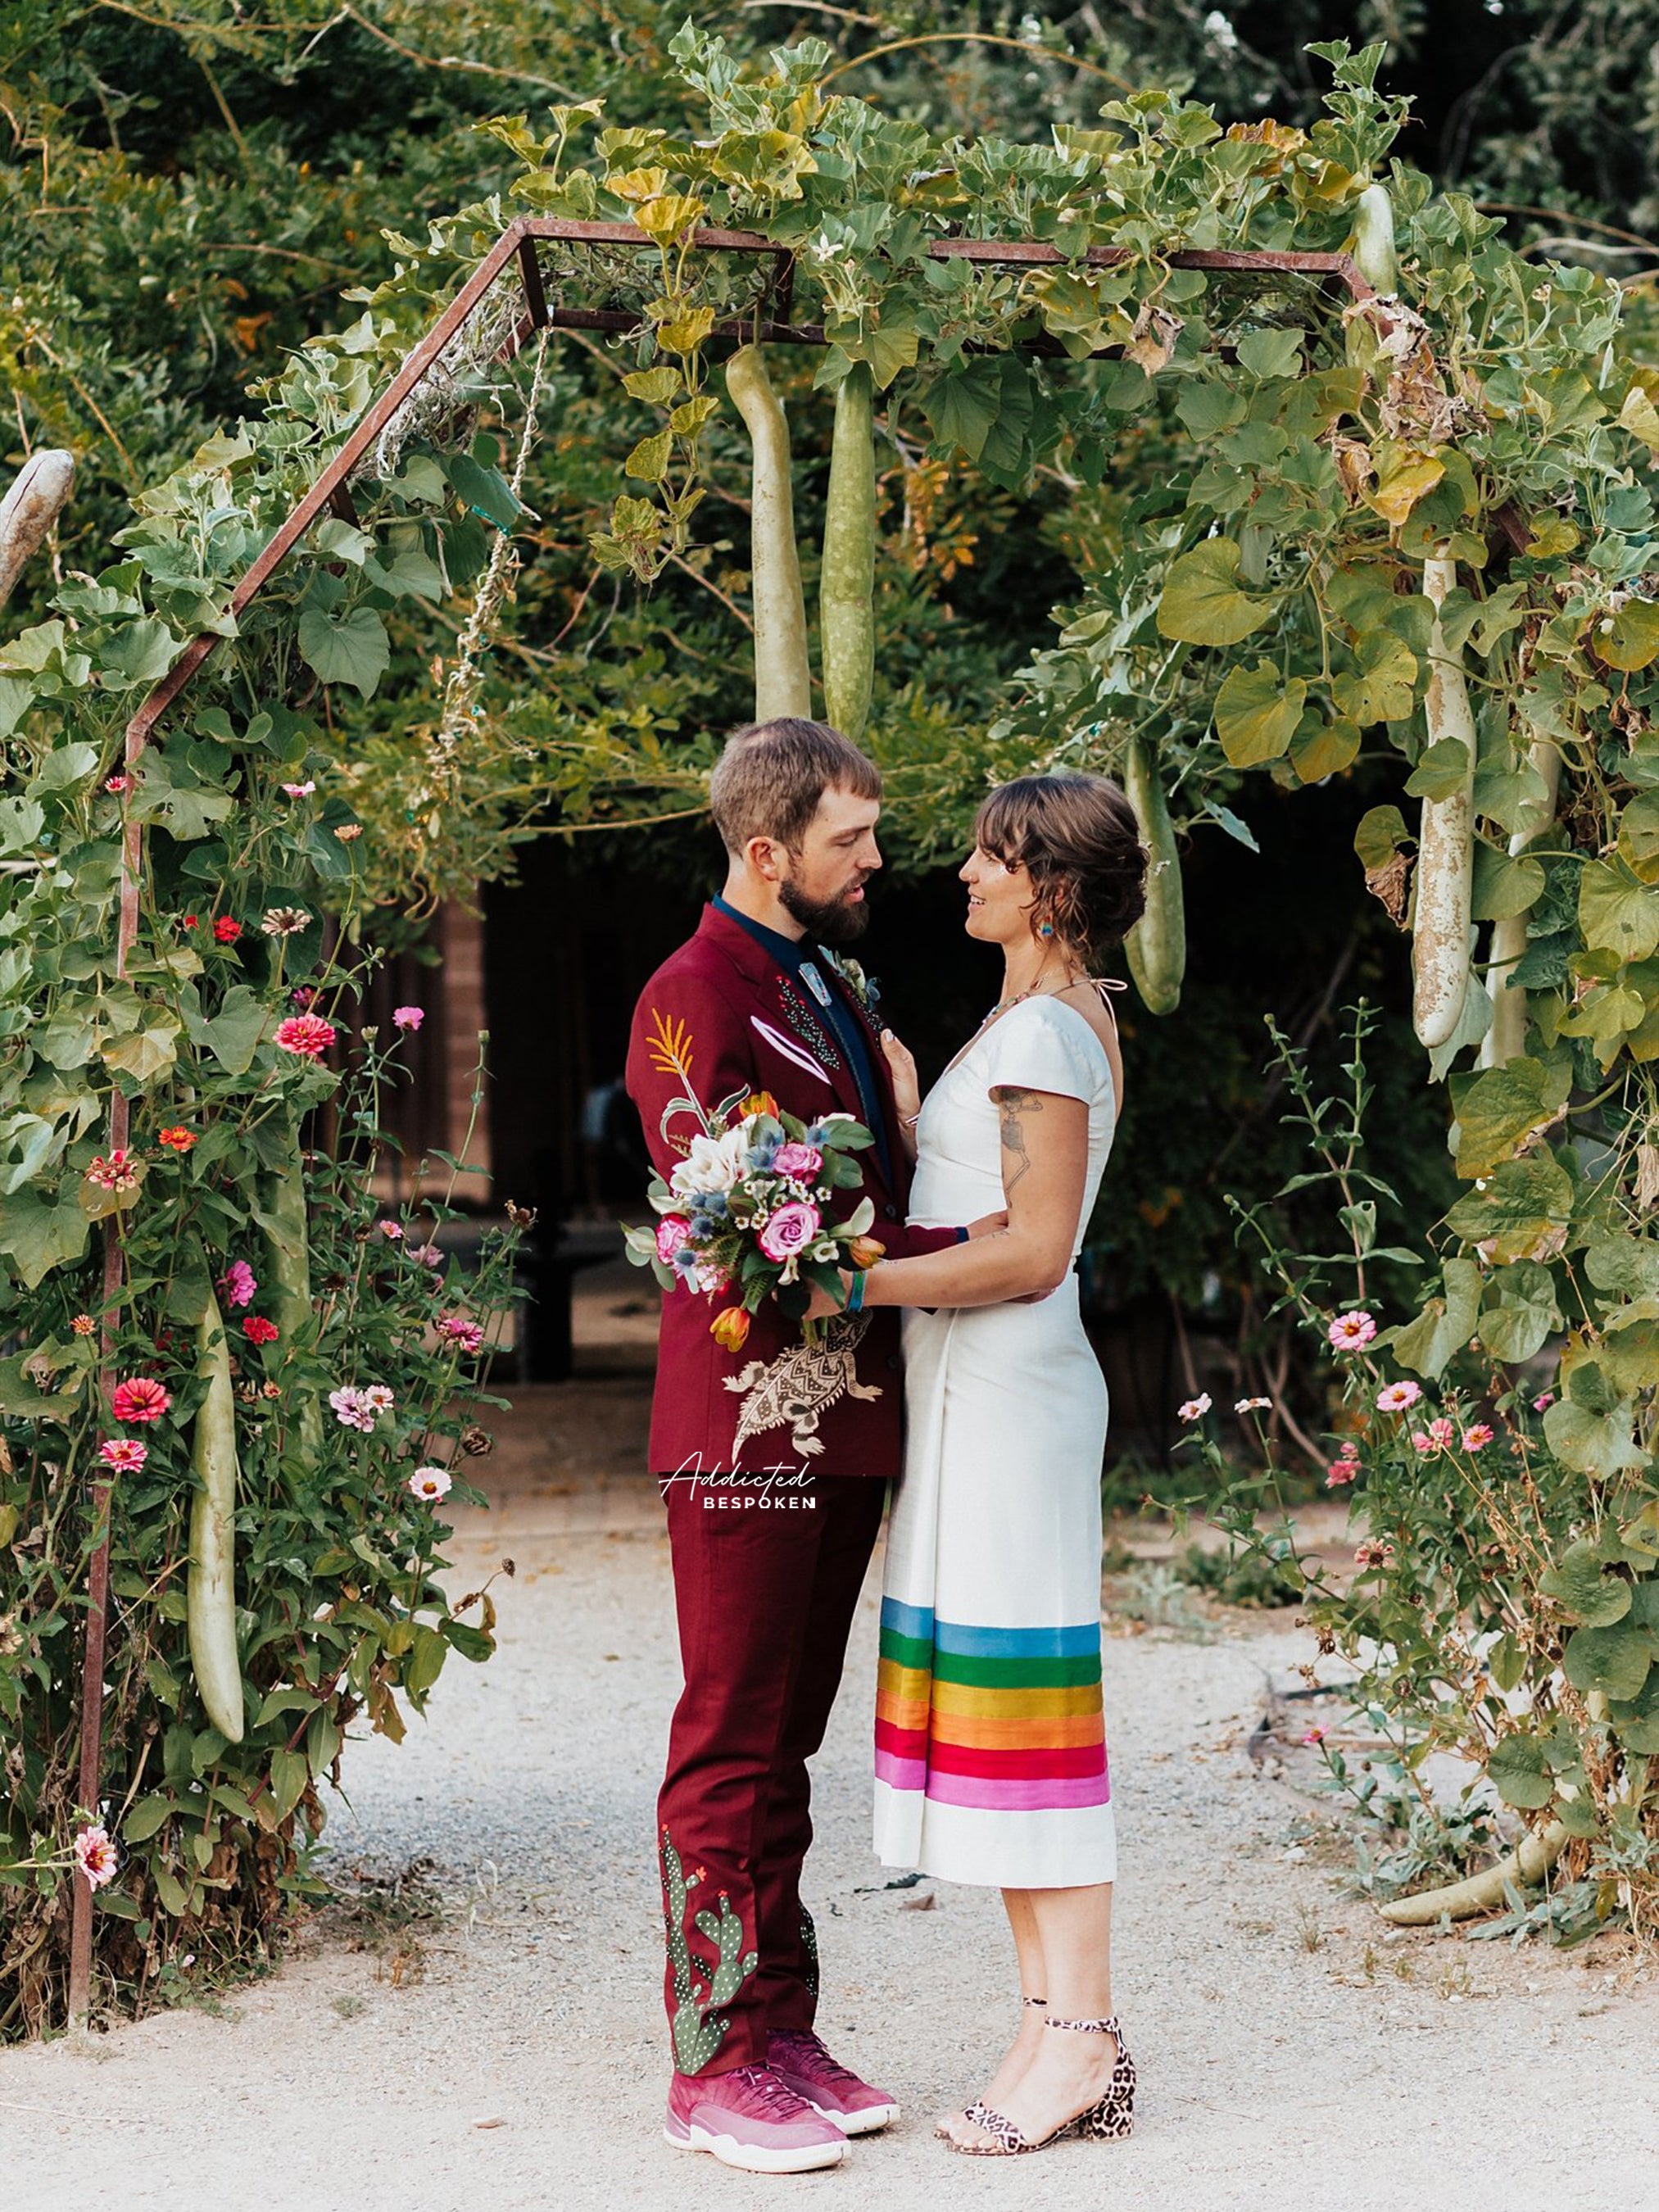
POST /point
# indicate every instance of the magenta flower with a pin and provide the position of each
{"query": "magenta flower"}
(466, 1335)
(1341, 1471)
(303, 995)
(308, 1035)
(298, 790)
(1394, 1397)
(96, 1857)
(800, 1163)
(125, 1453)
(140, 1399)
(408, 1018)
(390, 1229)
(1544, 1400)
(790, 1230)
(1350, 1331)
(239, 1284)
(429, 1255)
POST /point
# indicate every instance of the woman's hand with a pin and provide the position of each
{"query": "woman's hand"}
(907, 1083)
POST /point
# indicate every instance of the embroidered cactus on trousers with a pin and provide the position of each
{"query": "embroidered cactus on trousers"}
(698, 2029)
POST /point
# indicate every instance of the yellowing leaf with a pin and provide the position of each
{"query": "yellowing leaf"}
(663, 219)
(687, 331)
(1631, 640)
(1256, 714)
(638, 184)
(1403, 477)
(649, 459)
(1203, 603)
(655, 386)
(1640, 417)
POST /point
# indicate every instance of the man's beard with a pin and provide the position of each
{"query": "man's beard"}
(831, 922)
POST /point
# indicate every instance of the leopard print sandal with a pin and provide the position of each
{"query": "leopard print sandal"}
(1109, 2120)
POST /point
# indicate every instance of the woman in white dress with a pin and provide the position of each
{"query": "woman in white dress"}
(990, 1746)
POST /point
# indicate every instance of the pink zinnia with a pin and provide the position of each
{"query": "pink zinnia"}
(1394, 1397)
(408, 1018)
(298, 790)
(308, 1035)
(350, 1410)
(117, 784)
(96, 1857)
(125, 1453)
(800, 1163)
(303, 995)
(1374, 1555)
(466, 1335)
(1544, 1400)
(790, 1230)
(1350, 1331)
(1477, 1438)
(140, 1399)
(1341, 1471)
(238, 1283)
(392, 1229)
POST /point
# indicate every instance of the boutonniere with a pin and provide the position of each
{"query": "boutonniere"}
(865, 988)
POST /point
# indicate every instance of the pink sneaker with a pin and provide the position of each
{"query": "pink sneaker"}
(748, 2118)
(801, 2063)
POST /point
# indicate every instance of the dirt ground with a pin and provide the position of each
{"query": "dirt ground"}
(493, 2035)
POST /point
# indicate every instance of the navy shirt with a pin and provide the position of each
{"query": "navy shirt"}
(843, 1024)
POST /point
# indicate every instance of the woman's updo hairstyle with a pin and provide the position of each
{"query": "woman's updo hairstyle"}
(1077, 837)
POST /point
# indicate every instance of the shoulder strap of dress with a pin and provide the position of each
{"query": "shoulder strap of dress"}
(1105, 985)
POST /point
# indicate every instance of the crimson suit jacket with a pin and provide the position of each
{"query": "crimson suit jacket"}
(722, 1009)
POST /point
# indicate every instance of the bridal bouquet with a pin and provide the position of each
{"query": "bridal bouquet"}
(745, 1211)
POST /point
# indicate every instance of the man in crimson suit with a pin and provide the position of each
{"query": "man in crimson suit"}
(773, 1456)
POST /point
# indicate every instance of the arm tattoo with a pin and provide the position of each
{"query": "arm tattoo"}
(1011, 1105)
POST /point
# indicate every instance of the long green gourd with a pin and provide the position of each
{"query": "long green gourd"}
(847, 614)
(783, 673)
(210, 1589)
(1157, 947)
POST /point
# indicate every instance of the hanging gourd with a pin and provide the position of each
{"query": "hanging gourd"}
(210, 1588)
(1443, 891)
(1507, 1037)
(1157, 947)
(783, 676)
(1373, 239)
(847, 618)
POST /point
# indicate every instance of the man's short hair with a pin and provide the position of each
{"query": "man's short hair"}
(769, 780)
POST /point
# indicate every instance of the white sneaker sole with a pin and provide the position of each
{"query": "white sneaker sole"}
(858, 2124)
(754, 2157)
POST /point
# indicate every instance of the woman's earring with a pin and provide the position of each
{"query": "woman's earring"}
(1045, 929)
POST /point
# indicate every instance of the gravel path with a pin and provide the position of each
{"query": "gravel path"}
(521, 2063)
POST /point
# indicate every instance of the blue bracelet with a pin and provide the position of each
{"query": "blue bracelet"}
(856, 1295)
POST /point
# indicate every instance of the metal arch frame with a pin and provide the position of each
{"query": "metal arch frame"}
(518, 240)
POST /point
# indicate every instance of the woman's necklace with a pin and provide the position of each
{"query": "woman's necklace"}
(1031, 991)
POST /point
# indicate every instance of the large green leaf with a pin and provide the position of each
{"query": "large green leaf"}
(352, 650)
(1522, 1204)
(964, 404)
(1257, 712)
(1637, 1719)
(234, 1032)
(140, 653)
(1524, 1312)
(1203, 603)
(37, 1235)
(1517, 1765)
(1592, 1441)
(1581, 1587)
(1617, 911)
(1445, 1324)
(1499, 1107)
(1614, 1661)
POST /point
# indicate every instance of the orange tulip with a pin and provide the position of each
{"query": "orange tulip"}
(865, 1251)
(729, 1330)
(758, 1102)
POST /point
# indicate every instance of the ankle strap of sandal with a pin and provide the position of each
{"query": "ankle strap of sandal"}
(1089, 2026)
(1035, 2000)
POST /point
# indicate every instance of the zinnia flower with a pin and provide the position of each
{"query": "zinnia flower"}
(1371, 1553)
(238, 1283)
(1315, 1735)
(96, 1857)
(408, 1018)
(429, 1484)
(392, 1229)
(429, 1255)
(177, 1141)
(306, 1035)
(1252, 1405)
(298, 790)
(348, 830)
(114, 1173)
(1394, 1397)
(789, 1231)
(1544, 1400)
(729, 1330)
(83, 1325)
(302, 995)
(377, 1398)
(259, 1330)
(226, 929)
(1341, 1471)
(350, 1410)
(1350, 1331)
(1195, 1408)
(1477, 1438)
(125, 1453)
(284, 921)
(1441, 1433)
(466, 1335)
(140, 1398)
(118, 784)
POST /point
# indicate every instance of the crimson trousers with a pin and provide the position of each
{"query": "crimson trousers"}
(766, 1580)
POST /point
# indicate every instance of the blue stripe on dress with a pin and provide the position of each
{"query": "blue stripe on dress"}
(971, 1641)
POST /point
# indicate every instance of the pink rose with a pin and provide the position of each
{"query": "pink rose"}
(800, 1163)
(671, 1232)
(790, 1230)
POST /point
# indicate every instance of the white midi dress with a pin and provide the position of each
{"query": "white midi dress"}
(990, 1743)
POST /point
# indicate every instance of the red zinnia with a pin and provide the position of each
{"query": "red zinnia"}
(140, 1398)
(178, 1140)
(227, 930)
(308, 1035)
(259, 1330)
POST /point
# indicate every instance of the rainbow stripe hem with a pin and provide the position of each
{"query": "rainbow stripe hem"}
(1003, 1719)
